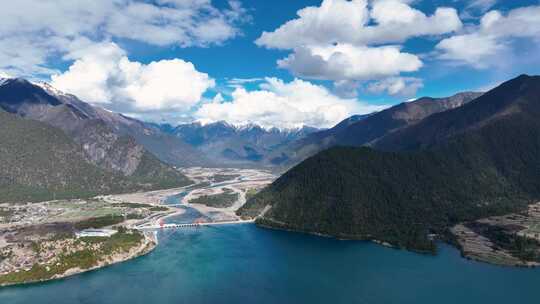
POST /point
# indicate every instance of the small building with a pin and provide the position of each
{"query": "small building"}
(95, 233)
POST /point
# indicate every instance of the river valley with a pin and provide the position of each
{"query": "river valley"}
(246, 264)
(243, 263)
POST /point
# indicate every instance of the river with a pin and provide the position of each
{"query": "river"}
(247, 264)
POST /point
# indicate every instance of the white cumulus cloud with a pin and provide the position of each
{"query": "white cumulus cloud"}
(484, 44)
(285, 105)
(474, 49)
(32, 32)
(333, 20)
(396, 86)
(349, 62)
(343, 21)
(481, 5)
(353, 41)
(103, 74)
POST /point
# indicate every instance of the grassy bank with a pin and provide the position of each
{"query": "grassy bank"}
(77, 255)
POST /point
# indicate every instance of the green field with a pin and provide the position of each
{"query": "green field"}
(218, 178)
(221, 200)
(99, 222)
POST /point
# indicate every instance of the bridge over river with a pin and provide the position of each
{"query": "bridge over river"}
(188, 225)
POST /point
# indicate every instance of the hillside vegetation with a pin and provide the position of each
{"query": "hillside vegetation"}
(109, 140)
(363, 130)
(401, 197)
(40, 162)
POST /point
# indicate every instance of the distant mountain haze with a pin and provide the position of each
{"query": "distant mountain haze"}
(218, 144)
(215, 144)
(230, 145)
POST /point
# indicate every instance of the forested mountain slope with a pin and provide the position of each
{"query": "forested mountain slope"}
(39, 162)
(489, 163)
(106, 138)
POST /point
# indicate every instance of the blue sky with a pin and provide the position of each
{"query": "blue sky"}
(183, 60)
(242, 58)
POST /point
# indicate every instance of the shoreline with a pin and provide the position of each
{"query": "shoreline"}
(148, 246)
(149, 242)
(463, 254)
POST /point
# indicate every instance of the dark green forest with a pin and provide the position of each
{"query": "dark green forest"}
(402, 197)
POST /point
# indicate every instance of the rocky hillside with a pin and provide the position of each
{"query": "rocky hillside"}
(40, 162)
(110, 141)
(513, 97)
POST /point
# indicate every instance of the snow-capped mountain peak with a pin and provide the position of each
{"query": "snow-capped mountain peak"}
(44, 85)
(247, 126)
(49, 88)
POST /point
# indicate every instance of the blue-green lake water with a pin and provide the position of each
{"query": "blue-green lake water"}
(247, 264)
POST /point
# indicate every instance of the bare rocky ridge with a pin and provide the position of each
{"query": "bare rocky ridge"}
(230, 145)
(363, 130)
(509, 98)
(110, 140)
(41, 127)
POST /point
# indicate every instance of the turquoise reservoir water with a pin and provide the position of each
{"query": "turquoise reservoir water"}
(246, 264)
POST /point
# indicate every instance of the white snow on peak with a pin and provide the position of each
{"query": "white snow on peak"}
(44, 85)
(3, 77)
(248, 125)
(412, 99)
(269, 128)
(49, 88)
(203, 122)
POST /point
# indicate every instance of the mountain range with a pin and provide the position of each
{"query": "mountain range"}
(40, 162)
(230, 145)
(479, 159)
(252, 145)
(217, 144)
(124, 154)
(363, 130)
(132, 154)
(94, 127)
(111, 144)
